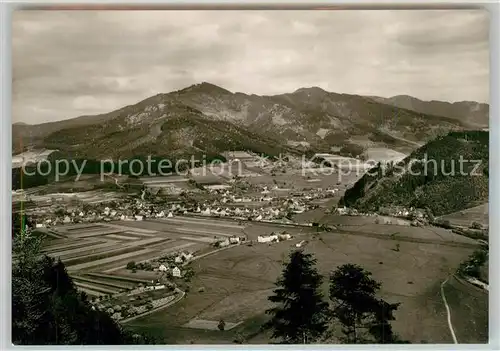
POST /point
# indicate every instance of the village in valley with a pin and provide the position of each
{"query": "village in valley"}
(197, 177)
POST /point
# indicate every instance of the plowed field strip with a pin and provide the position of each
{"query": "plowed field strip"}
(118, 278)
(71, 244)
(87, 247)
(120, 237)
(98, 281)
(202, 222)
(109, 259)
(207, 232)
(97, 288)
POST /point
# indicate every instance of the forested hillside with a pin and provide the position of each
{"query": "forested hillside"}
(448, 174)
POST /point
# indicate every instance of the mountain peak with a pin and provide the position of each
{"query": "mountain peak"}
(205, 87)
(312, 90)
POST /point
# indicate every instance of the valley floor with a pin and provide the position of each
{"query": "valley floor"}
(237, 282)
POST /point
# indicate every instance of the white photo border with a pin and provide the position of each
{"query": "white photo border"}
(6, 8)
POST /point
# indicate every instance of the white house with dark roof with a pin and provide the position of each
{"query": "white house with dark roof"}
(176, 272)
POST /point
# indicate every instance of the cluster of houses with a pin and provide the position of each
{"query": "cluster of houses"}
(232, 240)
(262, 207)
(142, 302)
(274, 237)
(169, 264)
(136, 211)
(403, 212)
(396, 211)
(176, 271)
(280, 210)
(265, 194)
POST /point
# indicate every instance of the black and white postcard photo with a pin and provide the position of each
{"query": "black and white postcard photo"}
(195, 177)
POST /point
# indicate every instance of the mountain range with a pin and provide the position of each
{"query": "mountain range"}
(472, 113)
(205, 118)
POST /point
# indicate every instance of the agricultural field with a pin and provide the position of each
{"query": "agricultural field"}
(312, 179)
(465, 218)
(379, 154)
(234, 284)
(90, 196)
(96, 255)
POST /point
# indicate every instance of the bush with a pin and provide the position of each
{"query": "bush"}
(131, 265)
(444, 223)
(221, 325)
(476, 225)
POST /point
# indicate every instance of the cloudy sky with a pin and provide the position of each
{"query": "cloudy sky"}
(67, 64)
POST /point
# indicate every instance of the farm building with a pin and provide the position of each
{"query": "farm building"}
(187, 256)
(301, 244)
(267, 239)
(284, 236)
(138, 218)
(234, 240)
(238, 156)
(223, 243)
(163, 268)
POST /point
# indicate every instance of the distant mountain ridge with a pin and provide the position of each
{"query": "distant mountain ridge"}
(472, 113)
(207, 118)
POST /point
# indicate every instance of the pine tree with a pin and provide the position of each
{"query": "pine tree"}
(301, 314)
(364, 317)
(353, 292)
(379, 325)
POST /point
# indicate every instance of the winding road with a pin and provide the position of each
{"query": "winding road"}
(448, 312)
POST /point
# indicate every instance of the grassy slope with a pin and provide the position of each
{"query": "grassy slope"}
(434, 189)
(469, 311)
